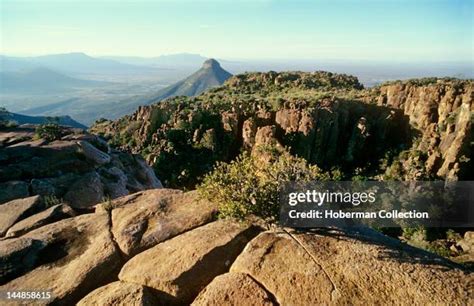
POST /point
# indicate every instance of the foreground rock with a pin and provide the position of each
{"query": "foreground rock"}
(120, 293)
(70, 258)
(79, 168)
(338, 268)
(142, 220)
(84, 258)
(50, 215)
(180, 267)
(233, 289)
(16, 210)
(13, 190)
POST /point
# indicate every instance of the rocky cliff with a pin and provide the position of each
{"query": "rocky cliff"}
(414, 129)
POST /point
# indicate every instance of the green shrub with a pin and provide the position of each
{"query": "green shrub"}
(250, 185)
(51, 200)
(49, 131)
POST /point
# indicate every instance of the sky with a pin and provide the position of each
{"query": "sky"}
(386, 30)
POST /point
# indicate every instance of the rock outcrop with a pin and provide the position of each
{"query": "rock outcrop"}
(163, 247)
(79, 168)
(417, 129)
(50, 215)
(15, 210)
(343, 267)
(142, 220)
(188, 262)
(120, 293)
(234, 289)
(70, 258)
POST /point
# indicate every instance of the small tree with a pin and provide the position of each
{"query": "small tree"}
(250, 184)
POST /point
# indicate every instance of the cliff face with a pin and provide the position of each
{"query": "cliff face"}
(411, 130)
(441, 112)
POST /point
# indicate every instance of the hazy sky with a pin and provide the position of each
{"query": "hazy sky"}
(257, 29)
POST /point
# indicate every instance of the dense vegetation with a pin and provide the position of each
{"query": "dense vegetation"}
(250, 184)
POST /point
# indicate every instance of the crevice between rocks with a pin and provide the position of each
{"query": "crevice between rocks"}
(335, 291)
(273, 297)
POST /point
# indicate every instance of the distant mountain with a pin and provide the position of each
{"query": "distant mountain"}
(77, 62)
(8, 63)
(63, 120)
(41, 80)
(210, 75)
(171, 61)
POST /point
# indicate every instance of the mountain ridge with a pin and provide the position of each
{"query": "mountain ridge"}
(210, 75)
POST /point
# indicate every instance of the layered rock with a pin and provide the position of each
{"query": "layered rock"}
(165, 248)
(442, 113)
(143, 220)
(16, 210)
(187, 263)
(70, 258)
(79, 168)
(50, 215)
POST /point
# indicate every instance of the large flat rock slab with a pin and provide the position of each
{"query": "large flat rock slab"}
(77, 256)
(145, 219)
(120, 293)
(50, 215)
(13, 211)
(339, 268)
(233, 289)
(181, 267)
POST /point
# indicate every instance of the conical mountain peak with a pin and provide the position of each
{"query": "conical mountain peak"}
(211, 63)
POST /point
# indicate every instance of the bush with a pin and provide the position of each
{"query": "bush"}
(250, 186)
(49, 131)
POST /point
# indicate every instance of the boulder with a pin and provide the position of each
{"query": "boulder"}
(15, 210)
(85, 192)
(467, 243)
(92, 153)
(233, 289)
(335, 267)
(144, 219)
(146, 174)
(75, 168)
(13, 190)
(467, 246)
(43, 187)
(18, 256)
(78, 255)
(50, 215)
(181, 267)
(119, 293)
(115, 182)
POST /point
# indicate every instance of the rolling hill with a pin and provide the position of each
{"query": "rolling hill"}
(41, 80)
(63, 120)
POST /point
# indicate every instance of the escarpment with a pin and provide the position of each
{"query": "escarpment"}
(418, 129)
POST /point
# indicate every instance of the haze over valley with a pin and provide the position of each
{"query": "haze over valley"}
(88, 88)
